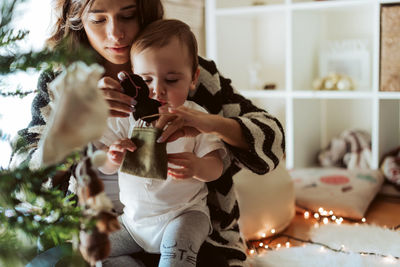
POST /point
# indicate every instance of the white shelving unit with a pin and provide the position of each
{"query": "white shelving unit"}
(283, 38)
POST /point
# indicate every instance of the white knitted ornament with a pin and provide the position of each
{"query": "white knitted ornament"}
(79, 112)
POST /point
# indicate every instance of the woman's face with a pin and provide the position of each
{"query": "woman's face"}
(111, 26)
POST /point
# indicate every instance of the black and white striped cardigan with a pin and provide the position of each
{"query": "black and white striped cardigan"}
(263, 132)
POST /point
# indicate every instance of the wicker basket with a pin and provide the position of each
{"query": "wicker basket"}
(390, 48)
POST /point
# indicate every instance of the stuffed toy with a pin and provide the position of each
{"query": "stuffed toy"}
(390, 166)
(351, 150)
(134, 86)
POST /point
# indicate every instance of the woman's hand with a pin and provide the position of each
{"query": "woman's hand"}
(183, 121)
(120, 104)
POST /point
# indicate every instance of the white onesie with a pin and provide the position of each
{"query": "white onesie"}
(151, 203)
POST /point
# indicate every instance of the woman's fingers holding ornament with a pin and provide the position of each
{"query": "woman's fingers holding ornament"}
(120, 104)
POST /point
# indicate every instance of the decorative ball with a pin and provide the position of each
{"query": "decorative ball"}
(329, 85)
(343, 84)
(98, 158)
(318, 84)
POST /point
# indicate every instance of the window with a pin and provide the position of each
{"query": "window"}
(14, 111)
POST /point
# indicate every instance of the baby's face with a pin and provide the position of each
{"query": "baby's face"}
(167, 72)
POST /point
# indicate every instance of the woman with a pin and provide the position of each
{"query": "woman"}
(254, 137)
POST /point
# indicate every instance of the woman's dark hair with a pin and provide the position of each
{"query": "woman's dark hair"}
(68, 15)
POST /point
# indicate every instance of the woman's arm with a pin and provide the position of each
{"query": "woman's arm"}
(255, 137)
(191, 122)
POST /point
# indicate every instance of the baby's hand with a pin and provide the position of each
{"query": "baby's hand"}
(207, 168)
(117, 150)
(187, 164)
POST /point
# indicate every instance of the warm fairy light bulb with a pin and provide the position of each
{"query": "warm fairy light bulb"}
(306, 215)
(261, 244)
(287, 244)
(266, 246)
(330, 212)
(263, 235)
(279, 245)
(333, 217)
(322, 249)
(316, 215)
(388, 259)
(325, 220)
(338, 221)
(273, 231)
(342, 247)
(320, 210)
(363, 220)
(252, 251)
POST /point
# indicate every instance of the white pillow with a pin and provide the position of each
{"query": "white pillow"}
(347, 193)
(266, 202)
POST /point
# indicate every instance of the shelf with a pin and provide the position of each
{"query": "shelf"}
(329, 4)
(389, 95)
(290, 43)
(317, 121)
(324, 26)
(390, 1)
(316, 94)
(250, 10)
(225, 4)
(389, 125)
(263, 93)
(332, 95)
(256, 53)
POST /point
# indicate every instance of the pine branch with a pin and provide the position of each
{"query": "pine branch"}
(10, 37)
(7, 11)
(13, 250)
(45, 59)
(18, 93)
(11, 62)
(29, 206)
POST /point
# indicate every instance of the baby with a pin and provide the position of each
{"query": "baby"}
(169, 216)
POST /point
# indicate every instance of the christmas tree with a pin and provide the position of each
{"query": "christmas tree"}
(34, 216)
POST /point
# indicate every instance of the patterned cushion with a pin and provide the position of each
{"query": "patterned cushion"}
(347, 193)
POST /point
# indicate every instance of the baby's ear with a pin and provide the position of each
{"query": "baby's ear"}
(195, 79)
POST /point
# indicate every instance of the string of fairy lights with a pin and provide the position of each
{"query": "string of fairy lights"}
(322, 216)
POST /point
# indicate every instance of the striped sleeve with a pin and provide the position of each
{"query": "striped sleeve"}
(263, 132)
